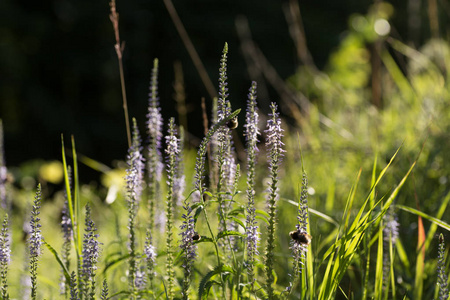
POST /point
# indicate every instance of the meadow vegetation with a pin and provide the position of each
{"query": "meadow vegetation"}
(337, 196)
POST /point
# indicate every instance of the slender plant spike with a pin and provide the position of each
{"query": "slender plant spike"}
(390, 236)
(35, 241)
(172, 152)
(105, 291)
(200, 160)
(300, 237)
(5, 258)
(225, 159)
(274, 145)
(150, 257)
(3, 173)
(251, 132)
(442, 277)
(179, 180)
(154, 131)
(91, 253)
(66, 228)
(134, 186)
(73, 286)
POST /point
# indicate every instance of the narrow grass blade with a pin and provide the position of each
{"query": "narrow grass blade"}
(402, 255)
(315, 212)
(70, 201)
(379, 266)
(436, 221)
(76, 193)
(433, 227)
(400, 80)
(59, 260)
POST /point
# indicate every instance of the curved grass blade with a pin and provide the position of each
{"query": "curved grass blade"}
(59, 260)
(436, 221)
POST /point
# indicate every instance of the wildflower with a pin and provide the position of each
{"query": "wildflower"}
(172, 152)
(200, 160)
(35, 240)
(139, 281)
(275, 151)
(5, 258)
(90, 253)
(135, 181)
(150, 256)
(225, 158)
(73, 286)
(300, 238)
(442, 277)
(135, 171)
(188, 235)
(104, 295)
(390, 235)
(3, 172)
(66, 227)
(179, 179)
(154, 130)
(251, 135)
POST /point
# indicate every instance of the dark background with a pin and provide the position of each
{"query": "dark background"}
(59, 71)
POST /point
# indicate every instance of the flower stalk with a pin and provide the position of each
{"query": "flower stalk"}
(274, 133)
(251, 136)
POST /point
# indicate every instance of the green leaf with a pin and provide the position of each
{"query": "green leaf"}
(204, 239)
(237, 211)
(198, 211)
(238, 221)
(264, 219)
(225, 233)
(59, 260)
(220, 269)
(114, 262)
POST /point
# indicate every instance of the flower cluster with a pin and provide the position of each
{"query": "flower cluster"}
(274, 133)
(251, 135)
(3, 172)
(187, 245)
(105, 291)
(90, 253)
(442, 277)
(66, 227)
(299, 248)
(135, 185)
(172, 152)
(150, 256)
(390, 235)
(5, 258)
(135, 171)
(35, 240)
(223, 107)
(154, 130)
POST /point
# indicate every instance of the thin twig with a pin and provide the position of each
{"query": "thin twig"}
(190, 48)
(297, 32)
(180, 95)
(114, 17)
